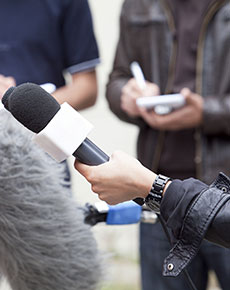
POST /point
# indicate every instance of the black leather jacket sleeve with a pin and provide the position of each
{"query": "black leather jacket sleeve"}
(194, 211)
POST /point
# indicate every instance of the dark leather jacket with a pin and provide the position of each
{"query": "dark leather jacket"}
(151, 22)
(195, 211)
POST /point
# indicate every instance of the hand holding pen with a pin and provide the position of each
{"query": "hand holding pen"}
(135, 88)
(147, 89)
(162, 104)
(138, 75)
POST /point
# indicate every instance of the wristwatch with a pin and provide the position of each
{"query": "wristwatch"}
(153, 199)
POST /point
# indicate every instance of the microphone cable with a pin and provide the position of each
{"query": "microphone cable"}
(184, 271)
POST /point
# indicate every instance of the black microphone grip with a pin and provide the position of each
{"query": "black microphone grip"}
(88, 153)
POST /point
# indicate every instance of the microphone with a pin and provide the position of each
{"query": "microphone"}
(44, 242)
(38, 111)
(124, 213)
(54, 125)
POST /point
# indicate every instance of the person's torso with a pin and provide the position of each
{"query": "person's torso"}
(178, 154)
(30, 41)
(152, 23)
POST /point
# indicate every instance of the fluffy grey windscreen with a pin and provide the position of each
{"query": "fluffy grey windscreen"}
(44, 243)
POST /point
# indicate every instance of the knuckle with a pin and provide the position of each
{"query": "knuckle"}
(132, 81)
(116, 154)
(90, 177)
(123, 90)
(101, 198)
(93, 187)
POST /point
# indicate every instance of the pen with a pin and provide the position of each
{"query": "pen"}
(138, 74)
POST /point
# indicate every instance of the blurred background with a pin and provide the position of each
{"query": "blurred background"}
(119, 244)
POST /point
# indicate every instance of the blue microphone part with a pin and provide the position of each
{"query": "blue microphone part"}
(124, 213)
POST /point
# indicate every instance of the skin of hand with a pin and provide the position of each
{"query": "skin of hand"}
(81, 92)
(131, 91)
(5, 84)
(189, 116)
(120, 179)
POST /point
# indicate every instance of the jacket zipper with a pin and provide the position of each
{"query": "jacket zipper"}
(172, 63)
(198, 82)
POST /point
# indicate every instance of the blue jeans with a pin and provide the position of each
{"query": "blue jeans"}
(154, 247)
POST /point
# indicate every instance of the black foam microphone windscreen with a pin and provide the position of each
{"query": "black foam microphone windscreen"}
(30, 105)
(33, 107)
(44, 243)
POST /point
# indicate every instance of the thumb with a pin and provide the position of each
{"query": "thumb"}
(187, 95)
(185, 92)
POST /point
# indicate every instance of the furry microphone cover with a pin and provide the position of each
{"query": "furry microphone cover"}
(44, 243)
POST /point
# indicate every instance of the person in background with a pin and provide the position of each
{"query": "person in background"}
(42, 41)
(181, 46)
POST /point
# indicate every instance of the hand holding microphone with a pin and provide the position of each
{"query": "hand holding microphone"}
(120, 179)
(60, 130)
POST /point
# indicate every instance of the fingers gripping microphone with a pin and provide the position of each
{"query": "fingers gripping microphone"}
(61, 130)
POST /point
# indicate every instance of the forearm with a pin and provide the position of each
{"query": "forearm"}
(218, 231)
(182, 200)
(81, 93)
(192, 209)
(176, 201)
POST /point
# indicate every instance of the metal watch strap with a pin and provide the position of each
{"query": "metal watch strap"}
(153, 199)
